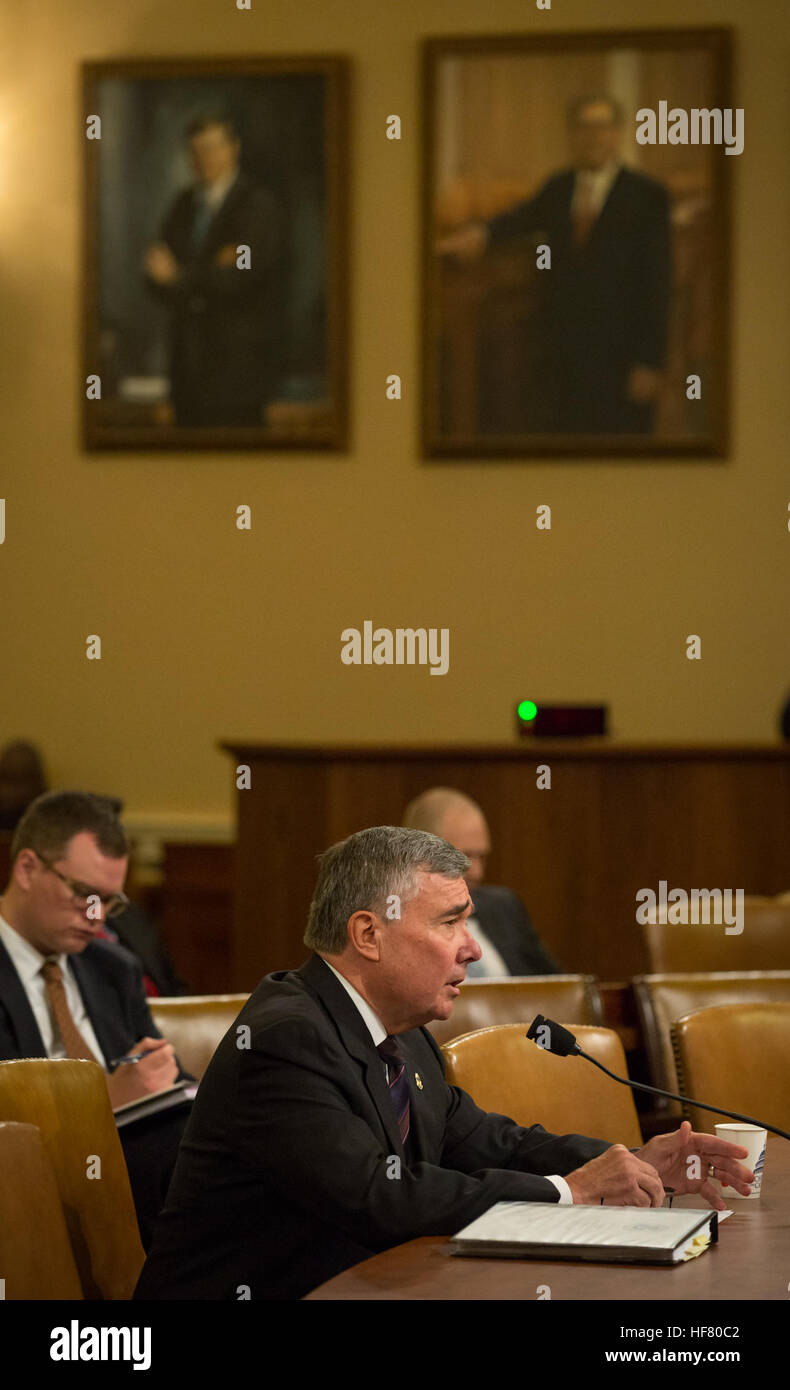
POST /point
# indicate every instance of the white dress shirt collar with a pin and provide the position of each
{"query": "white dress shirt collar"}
(26, 958)
(595, 184)
(377, 1030)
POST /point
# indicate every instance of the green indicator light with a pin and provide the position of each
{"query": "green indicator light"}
(527, 710)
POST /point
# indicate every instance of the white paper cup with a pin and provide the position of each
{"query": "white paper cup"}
(752, 1138)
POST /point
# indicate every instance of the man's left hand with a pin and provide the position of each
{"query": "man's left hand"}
(670, 1155)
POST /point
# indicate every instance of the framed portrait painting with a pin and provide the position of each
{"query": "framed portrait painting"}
(215, 251)
(576, 243)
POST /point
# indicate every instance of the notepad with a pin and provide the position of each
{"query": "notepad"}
(151, 1105)
(549, 1231)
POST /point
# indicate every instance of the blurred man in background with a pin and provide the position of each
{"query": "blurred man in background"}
(500, 922)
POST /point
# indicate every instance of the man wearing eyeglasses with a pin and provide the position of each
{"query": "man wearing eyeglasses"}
(66, 992)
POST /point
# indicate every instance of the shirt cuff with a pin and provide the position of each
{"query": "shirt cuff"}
(566, 1196)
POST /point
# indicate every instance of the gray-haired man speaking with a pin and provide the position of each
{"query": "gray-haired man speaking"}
(324, 1130)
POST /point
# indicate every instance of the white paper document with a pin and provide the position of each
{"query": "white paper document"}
(534, 1228)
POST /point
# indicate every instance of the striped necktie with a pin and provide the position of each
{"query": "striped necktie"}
(390, 1053)
(73, 1041)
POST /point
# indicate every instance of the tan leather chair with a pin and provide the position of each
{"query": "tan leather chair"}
(69, 1103)
(503, 1071)
(663, 999)
(35, 1251)
(764, 943)
(518, 999)
(195, 1024)
(735, 1055)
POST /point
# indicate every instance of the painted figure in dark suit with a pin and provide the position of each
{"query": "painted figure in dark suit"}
(599, 327)
(68, 864)
(500, 922)
(324, 1129)
(228, 340)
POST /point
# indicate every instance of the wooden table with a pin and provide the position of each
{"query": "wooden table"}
(751, 1261)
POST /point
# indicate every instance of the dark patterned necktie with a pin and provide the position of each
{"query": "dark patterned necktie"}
(390, 1053)
(73, 1041)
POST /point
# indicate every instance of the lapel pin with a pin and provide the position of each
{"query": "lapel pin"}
(418, 1079)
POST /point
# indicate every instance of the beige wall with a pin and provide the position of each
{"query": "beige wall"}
(209, 632)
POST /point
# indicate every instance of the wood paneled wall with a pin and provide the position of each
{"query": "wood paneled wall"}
(616, 819)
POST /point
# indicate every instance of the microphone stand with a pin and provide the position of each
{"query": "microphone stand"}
(671, 1095)
(565, 1045)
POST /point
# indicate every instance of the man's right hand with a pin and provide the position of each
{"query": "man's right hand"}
(133, 1080)
(161, 264)
(620, 1178)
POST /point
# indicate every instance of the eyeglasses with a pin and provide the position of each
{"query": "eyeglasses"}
(113, 903)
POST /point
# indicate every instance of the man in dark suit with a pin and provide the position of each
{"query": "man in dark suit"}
(227, 317)
(500, 923)
(600, 319)
(324, 1129)
(66, 993)
(503, 919)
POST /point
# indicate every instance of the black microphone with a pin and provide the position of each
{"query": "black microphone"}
(552, 1037)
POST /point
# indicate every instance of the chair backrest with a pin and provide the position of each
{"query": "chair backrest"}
(735, 1056)
(663, 999)
(503, 1071)
(196, 1024)
(69, 1103)
(35, 1251)
(764, 943)
(518, 999)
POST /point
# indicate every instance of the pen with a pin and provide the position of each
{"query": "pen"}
(133, 1057)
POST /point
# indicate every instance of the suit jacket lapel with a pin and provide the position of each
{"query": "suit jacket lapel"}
(217, 233)
(356, 1038)
(15, 1000)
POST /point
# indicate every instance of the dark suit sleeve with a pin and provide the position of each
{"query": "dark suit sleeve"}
(137, 1012)
(541, 961)
(477, 1138)
(524, 219)
(653, 266)
(293, 1123)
